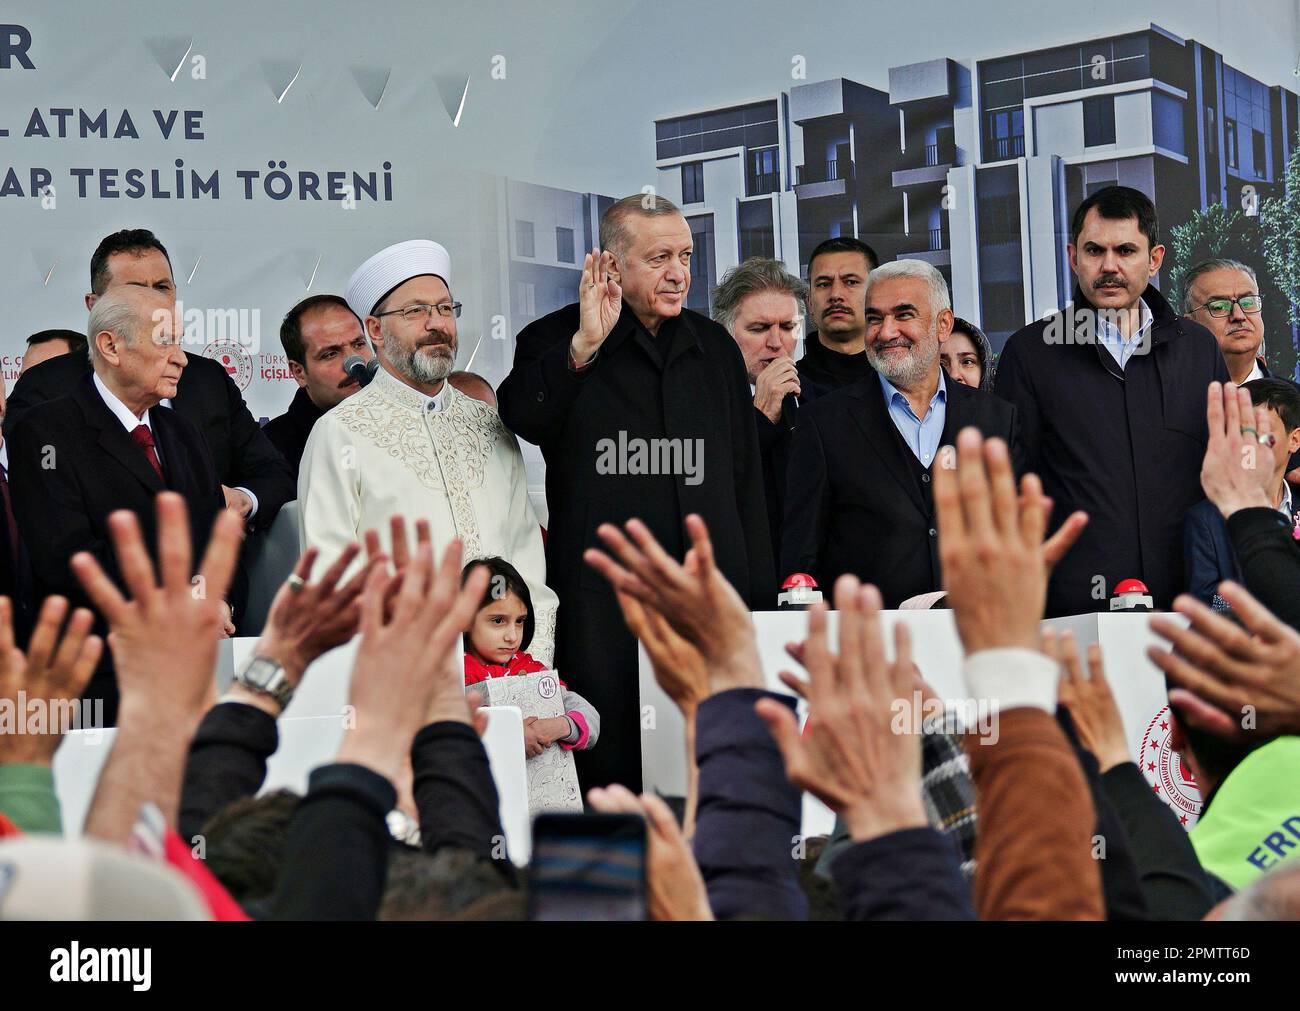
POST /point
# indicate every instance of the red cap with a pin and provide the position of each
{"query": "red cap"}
(799, 579)
(1130, 586)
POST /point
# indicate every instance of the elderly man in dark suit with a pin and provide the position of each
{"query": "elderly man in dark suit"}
(641, 408)
(109, 445)
(255, 478)
(859, 496)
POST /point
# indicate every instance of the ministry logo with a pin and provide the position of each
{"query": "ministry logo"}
(234, 359)
(1166, 771)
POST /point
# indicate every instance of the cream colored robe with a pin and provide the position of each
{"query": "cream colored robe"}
(388, 450)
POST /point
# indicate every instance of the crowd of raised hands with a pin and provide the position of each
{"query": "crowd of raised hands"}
(413, 742)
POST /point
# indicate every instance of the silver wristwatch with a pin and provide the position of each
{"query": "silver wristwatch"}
(262, 674)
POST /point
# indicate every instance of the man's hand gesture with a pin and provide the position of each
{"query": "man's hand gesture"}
(600, 303)
(774, 384)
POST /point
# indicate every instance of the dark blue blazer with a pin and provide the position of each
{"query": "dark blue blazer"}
(1207, 552)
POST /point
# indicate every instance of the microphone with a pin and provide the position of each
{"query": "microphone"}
(359, 369)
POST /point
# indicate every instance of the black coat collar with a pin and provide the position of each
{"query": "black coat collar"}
(114, 440)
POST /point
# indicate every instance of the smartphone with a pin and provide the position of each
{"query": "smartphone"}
(587, 867)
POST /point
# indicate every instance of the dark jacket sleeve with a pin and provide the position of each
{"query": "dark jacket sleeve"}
(1012, 383)
(535, 399)
(50, 506)
(1201, 561)
(227, 761)
(255, 464)
(807, 503)
(748, 815)
(455, 794)
(747, 465)
(1173, 883)
(336, 852)
(1269, 559)
(911, 874)
(1120, 886)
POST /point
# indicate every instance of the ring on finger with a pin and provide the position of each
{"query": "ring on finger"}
(295, 583)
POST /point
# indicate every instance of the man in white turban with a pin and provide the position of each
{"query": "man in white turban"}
(412, 444)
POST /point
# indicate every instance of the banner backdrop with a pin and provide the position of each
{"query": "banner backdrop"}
(272, 147)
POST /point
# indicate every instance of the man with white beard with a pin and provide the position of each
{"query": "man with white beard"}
(411, 444)
(859, 496)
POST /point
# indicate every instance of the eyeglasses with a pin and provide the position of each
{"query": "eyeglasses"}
(1221, 307)
(423, 312)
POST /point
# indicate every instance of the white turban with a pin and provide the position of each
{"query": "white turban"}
(392, 266)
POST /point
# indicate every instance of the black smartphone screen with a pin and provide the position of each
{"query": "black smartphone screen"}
(587, 867)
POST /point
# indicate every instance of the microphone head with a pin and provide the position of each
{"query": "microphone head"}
(360, 369)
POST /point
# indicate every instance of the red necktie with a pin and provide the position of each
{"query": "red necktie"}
(144, 439)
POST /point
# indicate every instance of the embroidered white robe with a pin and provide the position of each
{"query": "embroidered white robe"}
(387, 449)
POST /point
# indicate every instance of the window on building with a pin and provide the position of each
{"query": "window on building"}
(1260, 153)
(524, 245)
(564, 245)
(701, 264)
(1006, 134)
(757, 237)
(525, 298)
(763, 176)
(1098, 121)
(693, 182)
(1210, 131)
(1230, 141)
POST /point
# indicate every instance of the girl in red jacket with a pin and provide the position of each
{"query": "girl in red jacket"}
(495, 647)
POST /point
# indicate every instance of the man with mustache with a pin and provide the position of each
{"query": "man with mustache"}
(319, 334)
(410, 444)
(859, 495)
(1223, 296)
(832, 357)
(1111, 392)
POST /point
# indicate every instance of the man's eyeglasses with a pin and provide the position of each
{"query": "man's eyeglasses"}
(423, 312)
(1221, 307)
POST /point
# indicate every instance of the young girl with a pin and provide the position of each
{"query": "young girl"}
(495, 647)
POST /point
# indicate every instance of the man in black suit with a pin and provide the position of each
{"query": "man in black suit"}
(109, 445)
(761, 305)
(254, 476)
(859, 496)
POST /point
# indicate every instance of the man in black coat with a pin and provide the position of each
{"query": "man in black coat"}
(255, 478)
(859, 494)
(641, 409)
(1111, 392)
(109, 445)
(833, 354)
(761, 306)
(318, 334)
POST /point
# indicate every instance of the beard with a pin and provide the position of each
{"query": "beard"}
(905, 371)
(427, 365)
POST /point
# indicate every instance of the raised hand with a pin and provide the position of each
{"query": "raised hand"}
(54, 672)
(164, 637)
(1237, 470)
(676, 887)
(1090, 701)
(600, 303)
(991, 546)
(403, 667)
(854, 756)
(774, 384)
(164, 643)
(1240, 684)
(694, 598)
(678, 666)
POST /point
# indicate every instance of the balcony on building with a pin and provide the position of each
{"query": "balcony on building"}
(929, 161)
(933, 245)
(827, 177)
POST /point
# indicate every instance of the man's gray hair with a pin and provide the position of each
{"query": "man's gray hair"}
(1204, 267)
(1272, 896)
(939, 299)
(749, 278)
(614, 234)
(116, 313)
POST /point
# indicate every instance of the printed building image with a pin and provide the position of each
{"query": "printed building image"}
(975, 165)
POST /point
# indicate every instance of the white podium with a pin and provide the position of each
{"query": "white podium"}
(1138, 686)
